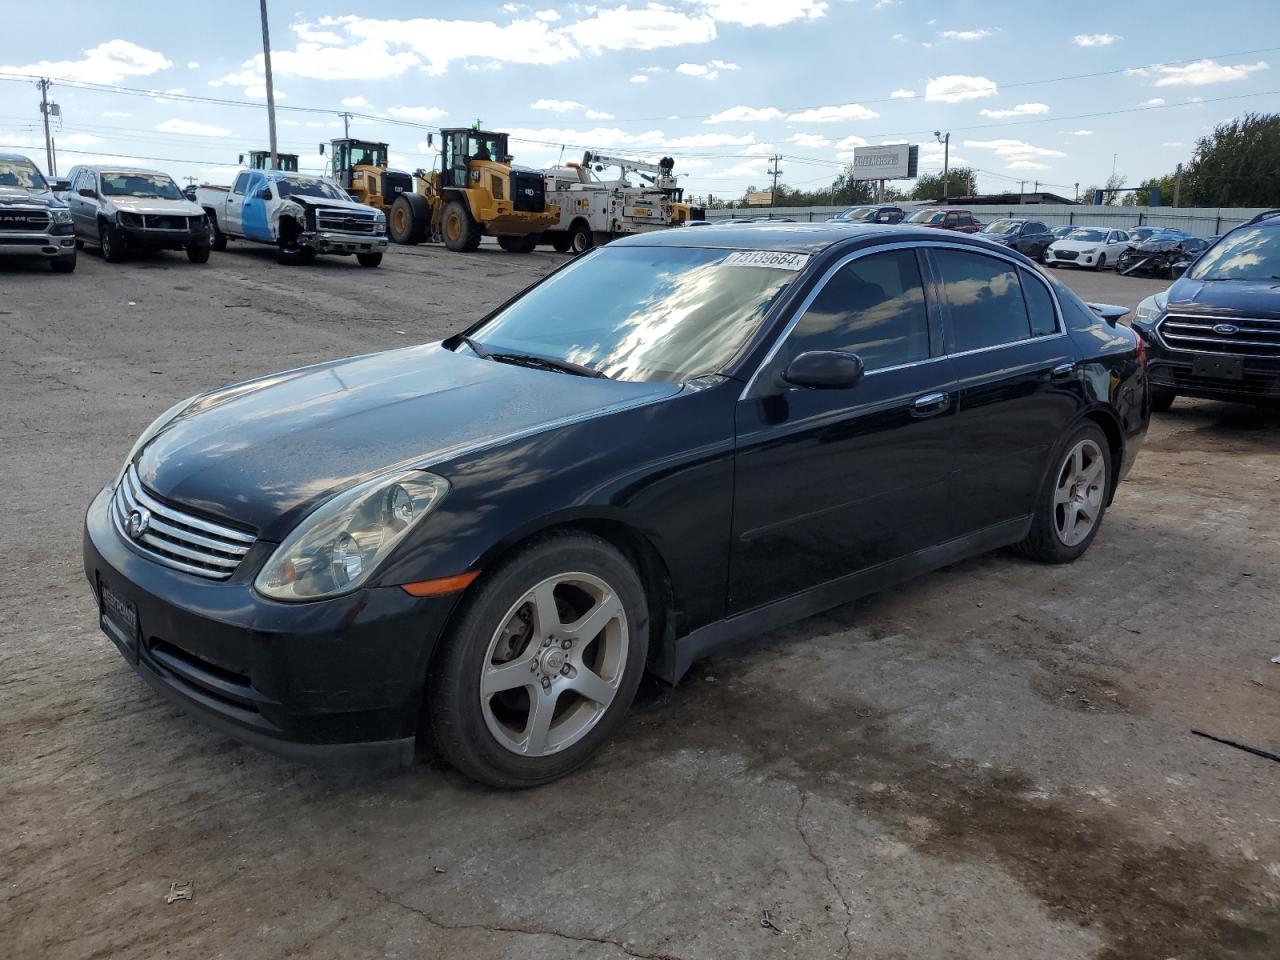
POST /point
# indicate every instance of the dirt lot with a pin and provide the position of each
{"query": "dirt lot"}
(992, 762)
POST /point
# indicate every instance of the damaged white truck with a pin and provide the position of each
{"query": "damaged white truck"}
(301, 216)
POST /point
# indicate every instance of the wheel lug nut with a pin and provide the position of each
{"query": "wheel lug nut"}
(546, 683)
(565, 644)
(565, 670)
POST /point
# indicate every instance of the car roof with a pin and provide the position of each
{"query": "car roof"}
(788, 237)
(15, 156)
(116, 168)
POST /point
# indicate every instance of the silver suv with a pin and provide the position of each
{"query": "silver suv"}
(122, 209)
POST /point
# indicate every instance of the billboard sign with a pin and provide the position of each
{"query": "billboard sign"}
(760, 198)
(890, 161)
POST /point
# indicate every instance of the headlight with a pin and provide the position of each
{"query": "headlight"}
(58, 215)
(341, 543)
(149, 434)
(1149, 310)
(128, 219)
(1090, 250)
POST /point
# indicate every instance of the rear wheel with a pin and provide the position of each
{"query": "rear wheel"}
(369, 259)
(560, 242)
(541, 664)
(581, 237)
(519, 244)
(1161, 399)
(111, 241)
(461, 233)
(409, 219)
(1071, 503)
(63, 264)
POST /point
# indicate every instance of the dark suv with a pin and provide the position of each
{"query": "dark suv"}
(1216, 332)
(962, 221)
(1031, 237)
(875, 213)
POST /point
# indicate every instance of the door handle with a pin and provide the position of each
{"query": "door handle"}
(930, 404)
(1063, 373)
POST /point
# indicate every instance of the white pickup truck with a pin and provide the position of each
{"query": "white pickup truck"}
(300, 215)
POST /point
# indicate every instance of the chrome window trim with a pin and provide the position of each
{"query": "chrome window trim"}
(995, 254)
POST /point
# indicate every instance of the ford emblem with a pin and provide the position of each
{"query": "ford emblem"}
(1226, 329)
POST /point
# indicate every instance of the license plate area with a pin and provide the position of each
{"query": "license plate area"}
(118, 617)
(1221, 368)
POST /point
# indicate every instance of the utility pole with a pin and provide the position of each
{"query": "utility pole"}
(1022, 185)
(346, 125)
(1177, 186)
(1077, 191)
(44, 85)
(775, 171)
(946, 160)
(271, 96)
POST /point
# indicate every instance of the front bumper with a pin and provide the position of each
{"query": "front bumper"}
(156, 238)
(1080, 260)
(327, 242)
(1176, 372)
(336, 681)
(36, 245)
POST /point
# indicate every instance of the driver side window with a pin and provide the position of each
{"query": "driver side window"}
(873, 306)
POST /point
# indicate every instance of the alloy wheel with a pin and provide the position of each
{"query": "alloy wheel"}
(1079, 493)
(554, 664)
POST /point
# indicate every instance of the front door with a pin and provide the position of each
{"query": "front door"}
(257, 197)
(232, 215)
(830, 482)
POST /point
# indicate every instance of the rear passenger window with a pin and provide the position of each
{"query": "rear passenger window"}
(985, 297)
(872, 306)
(1039, 305)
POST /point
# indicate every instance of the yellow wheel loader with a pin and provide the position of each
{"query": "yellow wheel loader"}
(476, 191)
(360, 167)
(261, 160)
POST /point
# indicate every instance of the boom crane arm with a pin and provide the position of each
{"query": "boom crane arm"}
(660, 171)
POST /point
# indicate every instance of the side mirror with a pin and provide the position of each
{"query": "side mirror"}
(59, 185)
(88, 192)
(824, 370)
(264, 193)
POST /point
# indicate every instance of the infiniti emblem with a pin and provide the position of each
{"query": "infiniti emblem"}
(139, 522)
(1226, 329)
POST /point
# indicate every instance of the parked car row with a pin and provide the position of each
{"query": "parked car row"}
(121, 210)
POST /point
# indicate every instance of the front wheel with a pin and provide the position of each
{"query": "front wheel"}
(1162, 399)
(198, 252)
(1074, 497)
(219, 241)
(541, 664)
(560, 242)
(369, 259)
(1102, 262)
(581, 238)
(63, 264)
(461, 233)
(112, 242)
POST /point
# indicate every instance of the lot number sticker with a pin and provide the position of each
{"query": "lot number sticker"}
(767, 258)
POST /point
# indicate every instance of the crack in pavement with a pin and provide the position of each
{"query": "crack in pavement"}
(526, 931)
(826, 868)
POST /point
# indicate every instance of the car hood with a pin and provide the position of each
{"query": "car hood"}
(1077, 244)
(268, 451)
(329, 204)
(17, 197)
(154, 205)
(1259, 299)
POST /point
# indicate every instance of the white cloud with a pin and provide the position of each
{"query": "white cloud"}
(965, 34)
(308, 32)
(763, 13)
(556, 106)
(711, 140)
(1198, 74)
(957, 87)
(109, 62)
(192, 128)
(548, 15)
(1153, 102)
(1027, 165)
(746, 115)
(356, 101)
(708, 71)
(1173, 143)
(650, 28)
(1021, 110)
(1013, 149)
(745, 170)
(812, 140)
(758, 150)
(902, 94)
(851, 141)
(654, 70)
(598, 115)
(639, 78)
(78, 140)
(833, 114)
(1079, 133)
(1095, 39)
(193, 65)
(116, 113)
(898, 37)
(422, 114)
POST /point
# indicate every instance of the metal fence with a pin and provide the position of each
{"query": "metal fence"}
(1197, 221)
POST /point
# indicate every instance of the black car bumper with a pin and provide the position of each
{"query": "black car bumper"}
(1258, 380)
(337, 680)
(153, 238)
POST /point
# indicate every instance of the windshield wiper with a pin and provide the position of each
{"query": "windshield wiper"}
(548, 363)
(476, 348)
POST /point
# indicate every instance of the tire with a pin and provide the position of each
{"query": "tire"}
(519, 244)
(63, 264)
(293, 256)
(369, 259)
(219, 240)
(499, 627)
(461, 233)
(1102, 262)
(1162, 399)
(199, 252)
(581, 237)
(560, 242)
(112, 243)
(1055, 535)
(409, 219)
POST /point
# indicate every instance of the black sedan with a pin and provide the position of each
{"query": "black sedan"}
(1030, 237)
(667, 445)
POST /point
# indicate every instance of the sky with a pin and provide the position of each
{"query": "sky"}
(1054, 93)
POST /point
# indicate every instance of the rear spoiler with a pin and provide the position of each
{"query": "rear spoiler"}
(1109, 312)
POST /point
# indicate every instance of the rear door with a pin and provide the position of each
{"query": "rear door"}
(1016, 377)
(829, 482)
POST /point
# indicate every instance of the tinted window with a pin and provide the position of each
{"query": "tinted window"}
(242, 181)
(1039, 305)
(1035, 227)
(985, 297)
(874, 307)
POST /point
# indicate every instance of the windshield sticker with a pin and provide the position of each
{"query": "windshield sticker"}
(767, 258)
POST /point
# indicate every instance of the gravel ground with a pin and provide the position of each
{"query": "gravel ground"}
(991, 762)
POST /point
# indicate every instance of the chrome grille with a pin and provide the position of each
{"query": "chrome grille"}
(24, 221)
(174, 538)
(342, 221)
(1233, 335)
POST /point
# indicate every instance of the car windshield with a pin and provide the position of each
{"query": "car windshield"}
(309, 187)
(927, 216)
(645, 313)
(22, 174)
(1002, 226)
(1252, 253)
(1088, 236)
(152, 186)
(856, 213)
